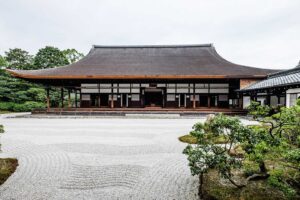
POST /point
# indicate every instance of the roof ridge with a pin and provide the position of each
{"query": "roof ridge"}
(154, 46)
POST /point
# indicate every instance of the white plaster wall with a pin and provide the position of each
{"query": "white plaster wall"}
(246, 101)
(288, 95)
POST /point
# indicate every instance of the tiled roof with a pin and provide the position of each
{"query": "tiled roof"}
(148, 61)
(279, 79)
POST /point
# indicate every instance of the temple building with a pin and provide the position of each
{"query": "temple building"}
(279, 89)
(173, 76)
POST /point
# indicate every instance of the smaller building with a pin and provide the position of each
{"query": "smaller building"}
(281, 88)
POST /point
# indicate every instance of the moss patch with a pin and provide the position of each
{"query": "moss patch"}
(193, 140)
(216, 188)
(188, 139)
(7, 167)
(220, 139)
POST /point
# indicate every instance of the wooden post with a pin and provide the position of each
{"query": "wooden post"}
(48, 99)
(208, 101)
(69, 98)
(112, 97)
(75, 98)
(112, 101)
(99, 101)
(194, 96)
(80, 98)
(62, 97)
(194, 101)
(163, 93)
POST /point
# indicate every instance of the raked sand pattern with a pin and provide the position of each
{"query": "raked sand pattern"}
(97, 158)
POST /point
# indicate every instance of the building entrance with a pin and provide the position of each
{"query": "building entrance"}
(153, 98)
(103, 100)
(203, 101)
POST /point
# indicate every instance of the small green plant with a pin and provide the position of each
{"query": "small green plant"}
(277, 180)
(207, 154)
(269, 151)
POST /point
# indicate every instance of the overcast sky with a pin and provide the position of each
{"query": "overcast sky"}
(258, 33)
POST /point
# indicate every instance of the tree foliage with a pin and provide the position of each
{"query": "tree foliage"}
(207, 154)
(72, 55)
(3, 62)
(49, 57)
(270, 150)
(20, 95)
(18, 59)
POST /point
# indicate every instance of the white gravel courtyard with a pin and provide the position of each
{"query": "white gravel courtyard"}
(97, 158)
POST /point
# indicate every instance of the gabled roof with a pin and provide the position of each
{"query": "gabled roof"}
(148, 62)
(279, 79)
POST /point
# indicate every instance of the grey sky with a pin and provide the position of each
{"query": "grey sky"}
(259, 33)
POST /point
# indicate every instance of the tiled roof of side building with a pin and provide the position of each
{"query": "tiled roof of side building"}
(161, 61)
(279, 79)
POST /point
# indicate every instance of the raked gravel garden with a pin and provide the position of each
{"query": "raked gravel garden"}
(97, 158)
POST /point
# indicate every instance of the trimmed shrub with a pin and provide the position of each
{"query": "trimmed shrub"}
(28, 106)
(6, 106)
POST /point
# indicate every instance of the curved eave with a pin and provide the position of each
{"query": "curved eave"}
(38, 77)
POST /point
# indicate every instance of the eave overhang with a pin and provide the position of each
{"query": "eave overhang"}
(17, 74)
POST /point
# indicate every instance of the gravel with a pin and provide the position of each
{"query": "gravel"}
(100, 158)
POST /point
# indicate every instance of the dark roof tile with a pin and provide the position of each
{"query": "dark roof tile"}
(172, 60)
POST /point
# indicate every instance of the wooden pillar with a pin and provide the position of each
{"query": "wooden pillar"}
(194, 96)
(208, 101)
(112, 101)
(62, 97)
(69, 98)
(194, 101)
(80, 98)
(164, 98)
(99, 101)
(75, 98)
(48, 98)
(112, 97)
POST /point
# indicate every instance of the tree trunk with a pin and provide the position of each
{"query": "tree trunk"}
(200, 192)
(262, 167)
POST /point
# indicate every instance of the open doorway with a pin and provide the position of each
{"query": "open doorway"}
(153, 98)
(182, 100)
(203, 101)
(103, 100)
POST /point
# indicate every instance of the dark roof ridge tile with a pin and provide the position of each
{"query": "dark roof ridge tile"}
(154, 46)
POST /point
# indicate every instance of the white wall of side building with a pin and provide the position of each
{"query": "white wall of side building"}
(246, 101)
(291, 96)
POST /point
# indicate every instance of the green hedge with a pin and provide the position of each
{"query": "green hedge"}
(23, 107)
